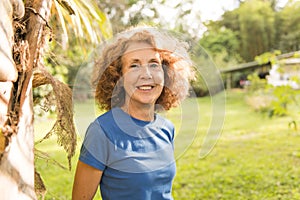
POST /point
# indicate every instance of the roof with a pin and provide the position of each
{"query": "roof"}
(245, 66)
(255, 64)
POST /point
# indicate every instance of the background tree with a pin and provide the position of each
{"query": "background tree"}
(222, 45)
(288, 27)
(256, 20)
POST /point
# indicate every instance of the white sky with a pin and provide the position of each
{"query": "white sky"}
(213, 9)
(205, 9)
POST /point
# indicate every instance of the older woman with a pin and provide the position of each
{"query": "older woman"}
(128, 150)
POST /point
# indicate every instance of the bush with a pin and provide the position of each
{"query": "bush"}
(260, 103)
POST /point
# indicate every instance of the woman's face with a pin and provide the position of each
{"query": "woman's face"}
(143, 75)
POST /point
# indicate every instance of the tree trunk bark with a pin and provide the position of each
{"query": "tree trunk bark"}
(16, 107)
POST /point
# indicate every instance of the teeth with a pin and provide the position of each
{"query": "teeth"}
(145, 87)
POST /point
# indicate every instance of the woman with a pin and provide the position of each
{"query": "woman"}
(128, 150)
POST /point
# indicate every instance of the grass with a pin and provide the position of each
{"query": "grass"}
(256, 157)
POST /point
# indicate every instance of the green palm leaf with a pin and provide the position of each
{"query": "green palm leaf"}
(84, 18)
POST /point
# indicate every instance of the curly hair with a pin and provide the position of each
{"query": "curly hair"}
(176, 64)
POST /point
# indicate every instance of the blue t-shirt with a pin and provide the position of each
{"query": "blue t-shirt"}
(136, 157)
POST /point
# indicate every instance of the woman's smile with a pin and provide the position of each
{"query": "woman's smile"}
(145, 87)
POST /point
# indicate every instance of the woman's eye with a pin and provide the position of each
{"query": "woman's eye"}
(154, 65)
(134, 65)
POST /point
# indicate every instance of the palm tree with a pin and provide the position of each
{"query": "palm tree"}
(24, 30)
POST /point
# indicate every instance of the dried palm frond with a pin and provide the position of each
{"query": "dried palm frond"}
(39, 186)
(63, 127)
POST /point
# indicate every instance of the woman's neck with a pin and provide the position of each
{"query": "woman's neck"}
(141, 112)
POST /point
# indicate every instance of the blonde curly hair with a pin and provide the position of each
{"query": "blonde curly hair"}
(176, 63)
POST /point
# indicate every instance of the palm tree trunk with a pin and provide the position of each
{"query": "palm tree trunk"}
(16, 107)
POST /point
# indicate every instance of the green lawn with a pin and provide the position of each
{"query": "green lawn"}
(256, 157)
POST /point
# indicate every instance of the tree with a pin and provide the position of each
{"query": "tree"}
(256, 20)
(222, 45)
(24, 34)
(288, 27)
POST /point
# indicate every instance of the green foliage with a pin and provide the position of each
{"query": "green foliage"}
(258, 97)
(65, 63)
(82, 87)
(199, 87)
(269, 99)
(83, 18)
(256, 84)
(230, 21)
(284, 95)
(267, 57)
(256, 19)
(288, 27)
(222, 45)
(207, 79)
(260, 103)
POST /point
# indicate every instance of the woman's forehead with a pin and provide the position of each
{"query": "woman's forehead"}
(138, 46)
(140, 51)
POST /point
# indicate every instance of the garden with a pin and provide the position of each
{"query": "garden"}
(255, 157)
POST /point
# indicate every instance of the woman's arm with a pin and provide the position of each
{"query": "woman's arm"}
(86, 181)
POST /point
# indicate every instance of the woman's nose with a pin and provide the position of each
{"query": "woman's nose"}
(146, 72)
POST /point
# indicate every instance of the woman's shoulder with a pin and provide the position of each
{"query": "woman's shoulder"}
(100, 120)
(109, 115)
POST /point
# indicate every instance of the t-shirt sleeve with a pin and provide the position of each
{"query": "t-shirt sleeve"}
(94, 149)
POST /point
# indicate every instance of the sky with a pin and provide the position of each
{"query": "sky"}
(204, 9)
(213, 9)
